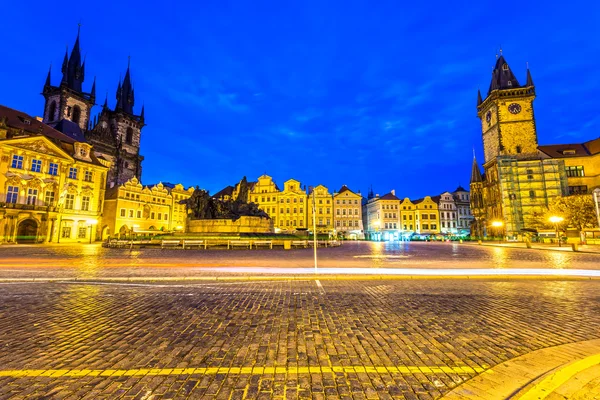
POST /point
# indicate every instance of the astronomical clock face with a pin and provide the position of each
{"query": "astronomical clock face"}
(488, 116)
(514, 108)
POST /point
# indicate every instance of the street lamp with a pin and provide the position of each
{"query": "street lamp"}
(556, 220)
(92, 222)
(498, 225)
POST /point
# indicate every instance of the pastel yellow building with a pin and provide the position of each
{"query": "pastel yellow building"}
(51, 185)
(426, 216)
(264, 193)
(291, 207)
(582, 164)
(134, 209)
(347, 217)
(323, 205)
(408, 212)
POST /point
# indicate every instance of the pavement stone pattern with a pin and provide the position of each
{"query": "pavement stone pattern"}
(374, 339)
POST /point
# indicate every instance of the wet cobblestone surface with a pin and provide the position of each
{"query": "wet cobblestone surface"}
(93, 261)
(311, 340)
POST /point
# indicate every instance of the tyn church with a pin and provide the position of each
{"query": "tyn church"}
(114, 133)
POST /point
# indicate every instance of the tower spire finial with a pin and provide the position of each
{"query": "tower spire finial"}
(500, 49)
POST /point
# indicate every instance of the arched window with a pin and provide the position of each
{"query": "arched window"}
(129, 136)
(505, 67)
(52, 111)
(76, 114)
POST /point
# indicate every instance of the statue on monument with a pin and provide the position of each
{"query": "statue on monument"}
(202, 206)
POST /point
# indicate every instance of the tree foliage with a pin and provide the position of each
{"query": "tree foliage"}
(578, 211)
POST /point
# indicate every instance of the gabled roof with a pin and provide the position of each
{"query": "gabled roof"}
(389, 196)
(228, 191)
(460, 189)
(30, 126)
(345, 188)
(571, 150)
(436, 199)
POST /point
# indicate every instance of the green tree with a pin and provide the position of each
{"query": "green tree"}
(578, 211)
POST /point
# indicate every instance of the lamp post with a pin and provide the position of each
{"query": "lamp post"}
(498, 225)
(92, 223)
(556, 220)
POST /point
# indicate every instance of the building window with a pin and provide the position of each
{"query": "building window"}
(12, 195)
(578, 189)
(32, 196)
(129, 136)
(66, 232)
(82, 232)
(425, 226)
(36, 165)
(52, 111)
(139, 213)
(131, 214)
(166, 217)
(76, 114)
(532, 194)
(53, 169)
(88, 176)
(49, 197)
(122, 214)
(17, 162)
(73, 173)
(433, 226)
(518, 149)
(69, 201)
(85, 203)
(152, 215)
(575, 170)
(505, 67)
(432, 216)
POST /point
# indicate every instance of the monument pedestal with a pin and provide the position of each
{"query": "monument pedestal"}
(244, 224)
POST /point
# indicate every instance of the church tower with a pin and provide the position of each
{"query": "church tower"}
(116, 135)
(506, 114)
(68, 101)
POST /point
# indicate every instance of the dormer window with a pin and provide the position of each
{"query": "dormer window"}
(82, 152)
(27, 122)
(509, 83)
(569, 152)
(505, 67)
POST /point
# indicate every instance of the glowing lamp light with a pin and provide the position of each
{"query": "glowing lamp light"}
(556, 220)
(497, 224)
(92, 221)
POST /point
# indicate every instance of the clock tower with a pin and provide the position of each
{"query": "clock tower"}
(506, 114)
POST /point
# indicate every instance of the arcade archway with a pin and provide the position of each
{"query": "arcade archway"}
(27, 231)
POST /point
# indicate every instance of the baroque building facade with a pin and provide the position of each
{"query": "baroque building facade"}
(521, 177)
(134, 209)
(52, 185)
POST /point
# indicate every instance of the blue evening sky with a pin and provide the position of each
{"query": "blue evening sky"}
(341, 92)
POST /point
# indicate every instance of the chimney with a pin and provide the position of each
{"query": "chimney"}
(394, 192)
(377, 195)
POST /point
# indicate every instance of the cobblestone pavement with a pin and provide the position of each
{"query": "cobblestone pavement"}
(279, 339)
(93, 261)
